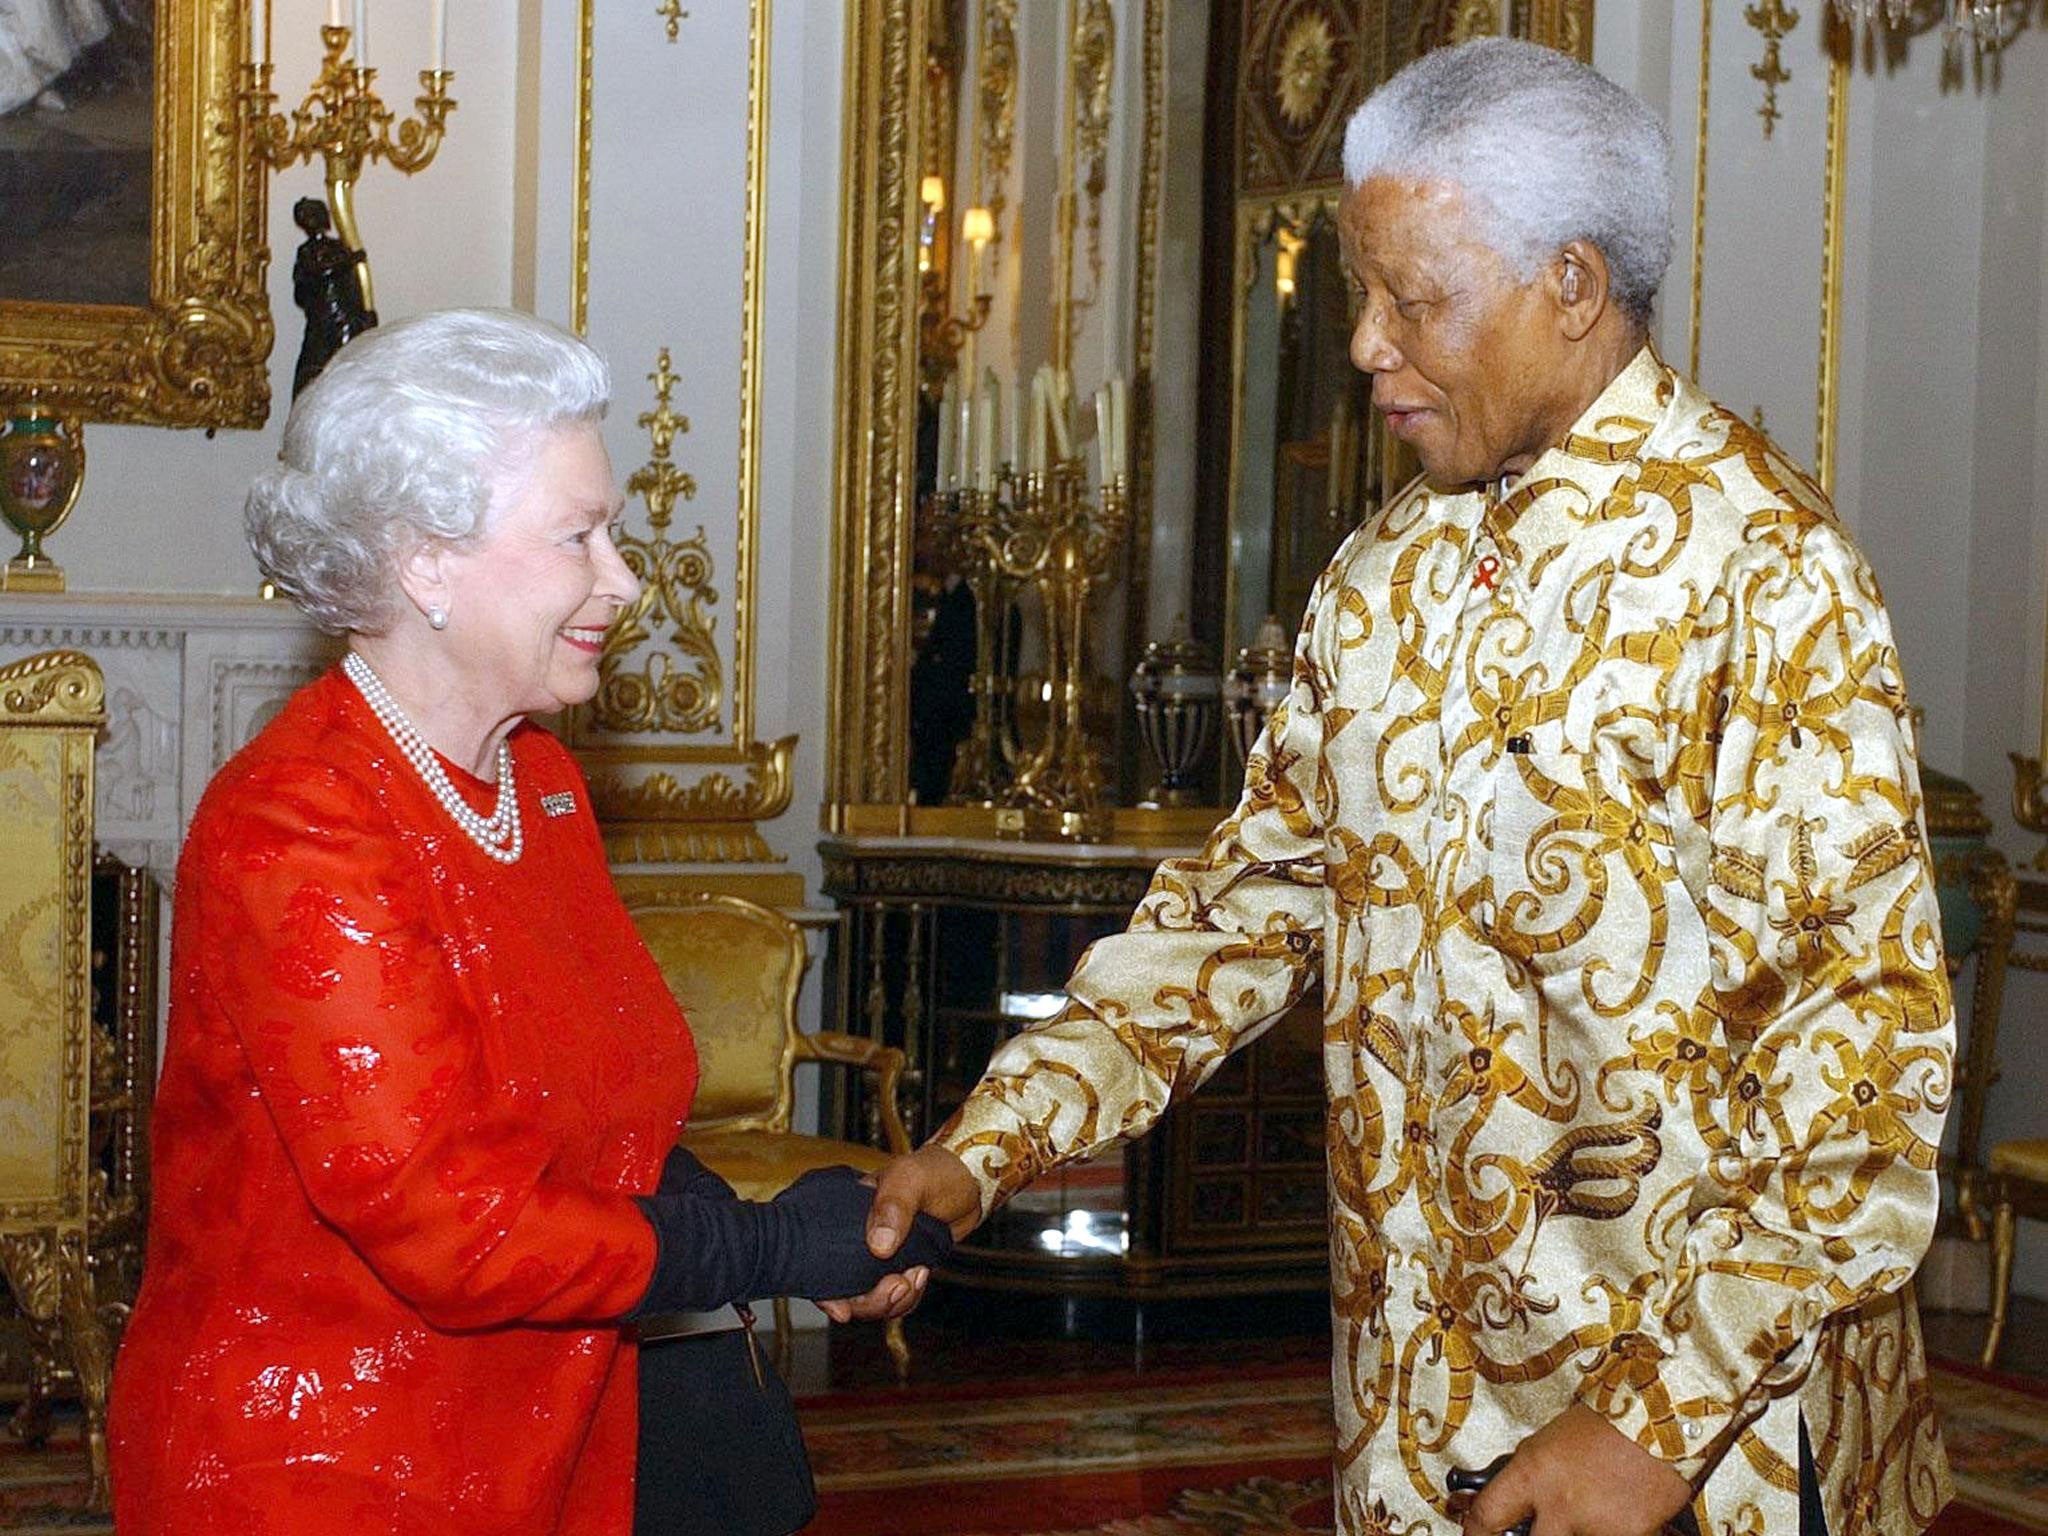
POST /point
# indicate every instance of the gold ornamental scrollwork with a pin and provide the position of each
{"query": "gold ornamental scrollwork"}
(55, 688)
(661, 670)
(1774, 21)
(1094, 106)
(1566, 25)
(998, 107)
(1302, 74)
(661, 819)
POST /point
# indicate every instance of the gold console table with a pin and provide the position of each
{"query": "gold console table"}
(955, 943)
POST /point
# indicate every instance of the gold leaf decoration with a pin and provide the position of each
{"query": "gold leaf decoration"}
(1302, 73)
(678, 684)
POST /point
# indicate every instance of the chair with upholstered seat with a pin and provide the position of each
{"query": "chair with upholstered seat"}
(2014, 1178)
(736, 967)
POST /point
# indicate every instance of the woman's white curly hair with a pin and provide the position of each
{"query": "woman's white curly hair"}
(1545, 149)
(404, 438)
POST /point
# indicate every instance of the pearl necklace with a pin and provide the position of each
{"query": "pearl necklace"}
(499, 834)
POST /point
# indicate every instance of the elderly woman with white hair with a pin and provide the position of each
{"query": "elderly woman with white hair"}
(1594, 809)
(415, 1139)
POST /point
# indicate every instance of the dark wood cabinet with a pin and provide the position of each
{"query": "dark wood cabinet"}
(951, 946)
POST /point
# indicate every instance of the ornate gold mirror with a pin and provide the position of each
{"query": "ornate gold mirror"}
(1308, 457)
(132, 274)
(1048, 182)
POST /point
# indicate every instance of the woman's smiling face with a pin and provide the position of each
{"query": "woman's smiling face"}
(532, 595)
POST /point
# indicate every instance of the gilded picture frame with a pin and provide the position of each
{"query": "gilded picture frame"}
(197, 354)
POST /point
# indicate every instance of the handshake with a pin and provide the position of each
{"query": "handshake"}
(713, 1248)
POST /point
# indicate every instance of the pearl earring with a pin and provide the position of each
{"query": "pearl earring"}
(437, 618)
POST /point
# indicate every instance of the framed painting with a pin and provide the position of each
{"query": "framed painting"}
(132, 272)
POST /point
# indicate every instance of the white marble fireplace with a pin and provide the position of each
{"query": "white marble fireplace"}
(189, 680)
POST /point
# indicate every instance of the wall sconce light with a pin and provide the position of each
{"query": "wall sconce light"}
(1286, 253)
(941, 336)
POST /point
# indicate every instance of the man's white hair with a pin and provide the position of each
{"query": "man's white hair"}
(403, 438)
(1545, 149)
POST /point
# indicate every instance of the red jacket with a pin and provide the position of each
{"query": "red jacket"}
(408, 1095)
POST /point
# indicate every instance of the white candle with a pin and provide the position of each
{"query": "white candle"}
(1105, 434)
(984, 440)
(965, 441)
(259, 47)
(1012, 420)
(942, 477)
(440, 34)
(992, 432)
(1062, 395)
(1120, 395)
(362, 32)
(1041, 402)
(334, 13)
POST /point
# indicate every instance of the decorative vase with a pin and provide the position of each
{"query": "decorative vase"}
(1258, 681)
(1175, 691)
(42, 463)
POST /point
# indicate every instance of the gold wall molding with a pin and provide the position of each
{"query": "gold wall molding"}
(876, 371)
(1699, 184)
(1774, 22)
(648, 790)
(747, 540)
(1566, 25)
(997, 111)
(661, 818)
(197, 355)
(673, 13)
(1093, 104)
(1834, 185)
(1151, 192)
(1834, 182)
(579, 212)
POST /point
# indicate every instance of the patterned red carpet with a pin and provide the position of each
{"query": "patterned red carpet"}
(1238, 1453)
(1239, 1456)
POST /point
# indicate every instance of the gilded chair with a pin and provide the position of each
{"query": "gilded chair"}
(736, 968)
(51, 708)
(2013, 1181)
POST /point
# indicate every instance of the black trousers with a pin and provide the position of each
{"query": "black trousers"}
(1813, 1518)
(720, 1450)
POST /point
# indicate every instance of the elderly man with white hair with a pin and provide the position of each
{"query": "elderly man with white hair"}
(1594, 809)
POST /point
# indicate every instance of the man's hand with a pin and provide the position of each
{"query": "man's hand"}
(893, 1296)
(1580, 1476)
(931, 1180)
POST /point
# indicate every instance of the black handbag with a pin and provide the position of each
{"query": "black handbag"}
(720, 1450)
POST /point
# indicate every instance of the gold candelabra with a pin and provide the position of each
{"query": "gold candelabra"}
(965, 519)
(345, 122)
(1042, 529)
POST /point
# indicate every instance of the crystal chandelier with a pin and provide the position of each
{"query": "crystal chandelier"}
(1983, 22)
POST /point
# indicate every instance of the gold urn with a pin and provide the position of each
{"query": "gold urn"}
(42, 464)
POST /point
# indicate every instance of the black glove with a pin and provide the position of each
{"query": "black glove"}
(685, 1174)
(810, 1241)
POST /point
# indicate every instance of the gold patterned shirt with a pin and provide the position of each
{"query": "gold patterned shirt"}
(1594, 809)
